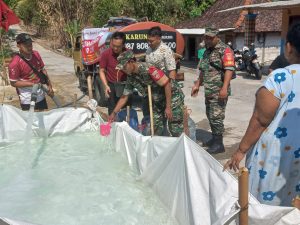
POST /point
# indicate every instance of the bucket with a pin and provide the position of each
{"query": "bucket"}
(105, 129)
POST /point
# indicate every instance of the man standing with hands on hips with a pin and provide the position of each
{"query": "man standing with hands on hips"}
(216, 71)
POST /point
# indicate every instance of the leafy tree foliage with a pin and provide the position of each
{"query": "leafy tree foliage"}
(11, 3)
(57, 16)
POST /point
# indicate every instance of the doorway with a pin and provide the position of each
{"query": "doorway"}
(192, 48)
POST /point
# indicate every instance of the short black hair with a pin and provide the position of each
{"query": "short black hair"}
(293, 36)
(119, 35)
(155, 31)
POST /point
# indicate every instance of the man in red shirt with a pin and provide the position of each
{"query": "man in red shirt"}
(109, 76)
(22, 76)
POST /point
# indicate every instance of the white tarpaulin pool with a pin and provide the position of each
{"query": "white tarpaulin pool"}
(71, 175)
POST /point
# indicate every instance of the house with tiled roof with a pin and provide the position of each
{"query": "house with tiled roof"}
(231, 24)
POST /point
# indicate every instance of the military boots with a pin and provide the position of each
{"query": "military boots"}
(209, 142)
(217, 146)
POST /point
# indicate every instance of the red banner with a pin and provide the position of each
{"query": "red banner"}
(7, 16)
(94, 42)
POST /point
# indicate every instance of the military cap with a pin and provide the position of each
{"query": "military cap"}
(211, 31)
(123, 58)
(23, 38)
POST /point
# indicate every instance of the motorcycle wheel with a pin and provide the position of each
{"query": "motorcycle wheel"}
(258, 74)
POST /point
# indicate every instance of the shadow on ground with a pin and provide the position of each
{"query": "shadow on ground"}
(203, 134)
(189, 64)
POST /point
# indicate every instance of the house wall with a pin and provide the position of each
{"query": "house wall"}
(289, 16)
(287, 13)
(271, 49)
(266, 52)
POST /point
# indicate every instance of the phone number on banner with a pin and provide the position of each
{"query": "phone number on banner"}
(144, 45)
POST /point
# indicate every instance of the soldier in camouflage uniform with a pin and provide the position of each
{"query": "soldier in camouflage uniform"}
(159, 54)
(216, 71)
(167, 97)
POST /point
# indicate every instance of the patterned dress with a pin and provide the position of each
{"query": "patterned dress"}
(274, 162)
(161, 57)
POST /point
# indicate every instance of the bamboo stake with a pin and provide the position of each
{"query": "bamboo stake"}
(75, 101)
(185, 121)
(296, 202)
(128, 114)
(90, 89)
(243, 196)
(3, 74)
(150, 109)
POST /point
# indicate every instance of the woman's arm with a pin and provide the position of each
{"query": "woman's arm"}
(266, 106)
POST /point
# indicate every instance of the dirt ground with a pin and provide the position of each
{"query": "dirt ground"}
(239, 108)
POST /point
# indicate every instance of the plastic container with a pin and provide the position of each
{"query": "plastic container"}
(145, 126)
(133, 121)
(105, 129)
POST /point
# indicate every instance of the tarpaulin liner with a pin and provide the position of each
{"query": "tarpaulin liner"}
(13, 122)
(188, 180)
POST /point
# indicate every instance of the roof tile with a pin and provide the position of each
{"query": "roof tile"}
(266, 21)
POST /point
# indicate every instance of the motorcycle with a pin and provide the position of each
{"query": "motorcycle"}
(247, 60)
(238, 59)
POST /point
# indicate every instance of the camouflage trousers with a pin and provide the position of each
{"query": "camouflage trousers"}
(215, 112)
(175, 126)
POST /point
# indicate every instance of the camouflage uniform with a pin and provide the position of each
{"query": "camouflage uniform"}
(215, 61)
(162, 58)
(140, 81)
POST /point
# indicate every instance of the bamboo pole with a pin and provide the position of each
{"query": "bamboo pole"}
(4, 64)
(185, 121)
(296, 202)
(128, 114)
(90, 89)
(150, 109)
(75, 101)
(243, 196)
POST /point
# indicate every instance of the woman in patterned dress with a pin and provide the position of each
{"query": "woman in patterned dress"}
(272, 139)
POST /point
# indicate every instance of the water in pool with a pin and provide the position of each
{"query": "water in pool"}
(77, 179)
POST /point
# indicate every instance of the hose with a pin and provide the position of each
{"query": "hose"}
(54, 98)
(70, 103)
(34, 93)
(57, 102)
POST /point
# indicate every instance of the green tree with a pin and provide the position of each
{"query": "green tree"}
(105, 9)
(26, 10)
(199, 7)
(72, 29)
(11, 3)
(57, 16)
